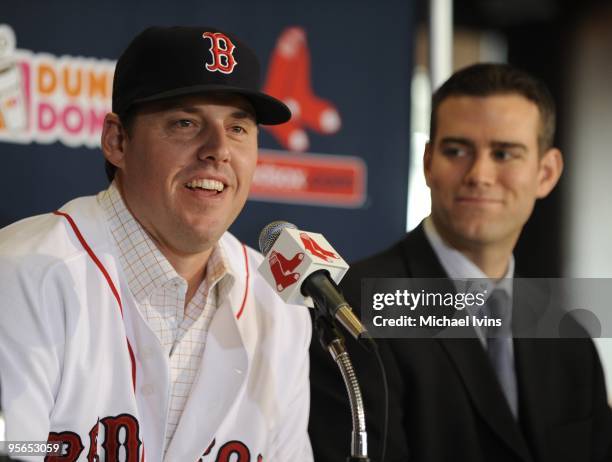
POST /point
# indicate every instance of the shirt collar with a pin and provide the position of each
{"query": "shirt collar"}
(145, 266)
(460, 268)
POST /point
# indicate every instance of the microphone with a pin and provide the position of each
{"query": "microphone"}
(303, 268)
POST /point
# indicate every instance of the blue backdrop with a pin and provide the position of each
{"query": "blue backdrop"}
(360, 61)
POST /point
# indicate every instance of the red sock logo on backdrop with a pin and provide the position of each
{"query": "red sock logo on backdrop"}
(289, 80)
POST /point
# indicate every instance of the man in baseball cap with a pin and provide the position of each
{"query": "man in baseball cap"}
(154, 333)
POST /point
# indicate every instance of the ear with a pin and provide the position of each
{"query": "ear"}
(113, 140)
(549, 170)
(427, 161)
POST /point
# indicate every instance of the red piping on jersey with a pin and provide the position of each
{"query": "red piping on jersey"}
(113, 289)
(246, 289)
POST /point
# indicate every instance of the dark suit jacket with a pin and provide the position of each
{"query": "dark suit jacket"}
(445, 402)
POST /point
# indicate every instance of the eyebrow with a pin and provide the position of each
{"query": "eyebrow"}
(509, 145)
(237, 114)
(240, 114)
(456, 140)
(493, 144)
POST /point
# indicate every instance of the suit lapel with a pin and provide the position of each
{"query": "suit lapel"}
(466, 354)
(419, 257)
(530, 355)
(478, 377)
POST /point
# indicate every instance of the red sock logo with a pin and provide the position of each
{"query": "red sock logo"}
(222, 51)
(282, 269)
(289, 80)
(315, 249)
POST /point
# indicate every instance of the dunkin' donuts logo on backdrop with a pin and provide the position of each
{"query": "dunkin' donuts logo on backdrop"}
(46, 98)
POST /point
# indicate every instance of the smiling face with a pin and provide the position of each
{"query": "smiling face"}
(484, 169)
(185, 168)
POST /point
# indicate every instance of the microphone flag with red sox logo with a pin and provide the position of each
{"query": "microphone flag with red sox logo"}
(293, 257)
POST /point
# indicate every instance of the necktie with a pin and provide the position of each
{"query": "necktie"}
(499, 342)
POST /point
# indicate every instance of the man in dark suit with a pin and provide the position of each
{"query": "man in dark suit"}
(490, 157)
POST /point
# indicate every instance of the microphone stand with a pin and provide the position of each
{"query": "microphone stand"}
(333, 341)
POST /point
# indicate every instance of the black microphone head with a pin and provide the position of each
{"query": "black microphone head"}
(269, 234)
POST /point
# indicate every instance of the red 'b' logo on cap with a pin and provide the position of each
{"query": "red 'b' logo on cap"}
(222, 51)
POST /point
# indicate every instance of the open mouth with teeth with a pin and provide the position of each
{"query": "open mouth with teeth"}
(206, 185)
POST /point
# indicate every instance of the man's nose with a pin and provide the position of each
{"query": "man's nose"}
(215, 145)
(482, 170)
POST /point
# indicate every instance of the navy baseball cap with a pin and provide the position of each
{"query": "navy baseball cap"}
(165, 62)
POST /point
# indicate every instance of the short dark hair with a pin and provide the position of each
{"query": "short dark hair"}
(486, 79)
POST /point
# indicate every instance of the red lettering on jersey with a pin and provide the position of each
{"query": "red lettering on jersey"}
(131, 444)
(222, 51)
(93, 443)
(71, 446)
(282, 269)
(231, 448)
(315, 249)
